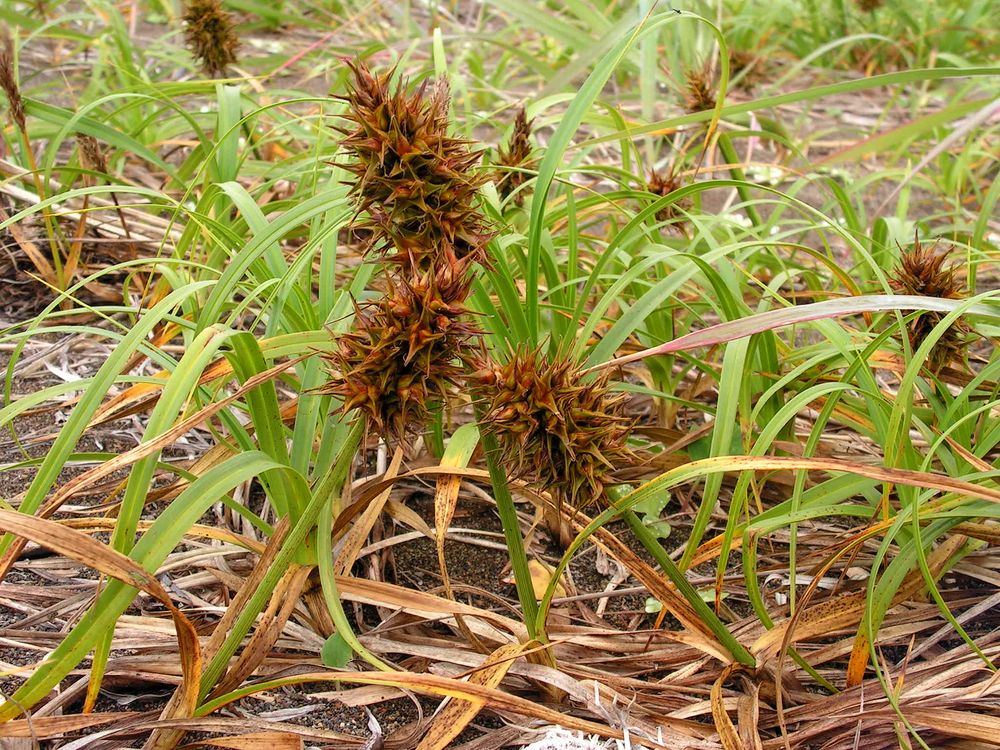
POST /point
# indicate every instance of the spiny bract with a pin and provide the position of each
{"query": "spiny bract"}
(698, 92)
(557, 429)
(405, 354)
(664, 183)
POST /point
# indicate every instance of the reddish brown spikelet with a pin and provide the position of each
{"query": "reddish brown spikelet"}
(869, 6)
(556, 428)
(416, 182)
(8, 82)
(698, 92)
(748, 66)
(517, 154)
(211, 35)
(664, 183)
(91, 154)
(922, 271)
(406, 353)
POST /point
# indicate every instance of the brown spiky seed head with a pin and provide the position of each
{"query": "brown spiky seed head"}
(750, 65)
(869, 6)
(664, 183)
(417, 183)
(407, 352)
(211, 35)
(698, 92)
(516, 154)
(557, 429)
(8, 81)
(91, 154)
(923, 271)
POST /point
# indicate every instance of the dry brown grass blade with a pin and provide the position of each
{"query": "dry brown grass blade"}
(428, 606)
(30, 249)
(447, 687)
(457, 714)
(268, 628)
(445, 502)
(131, 723)
(46, 727)
(197, 531)
(174, 707)
(728, 735)
(842, 611)
(80, 547)
(964, 724)
(140, 396)
(748, 713)
(659, 587)
(254, 741)
(356, 536)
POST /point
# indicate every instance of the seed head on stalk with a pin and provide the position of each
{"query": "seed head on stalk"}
(699, 94)
(664, 183)
(8, 82)
(416, 182)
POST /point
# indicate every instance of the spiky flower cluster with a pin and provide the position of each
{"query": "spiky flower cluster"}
(8, 82)
(698, 92)
(415, 181)
(750, 65)
(516, 154)
(869, 6)
(211, 35)
(664, 183)
(417, 188)
(91, 154)
(922, 271)
(556, 428)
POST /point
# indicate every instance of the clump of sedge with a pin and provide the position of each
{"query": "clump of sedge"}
(211, 35)
(417, 186)
(516, 155)
(922, 271)
(699, 93)
(558, 429)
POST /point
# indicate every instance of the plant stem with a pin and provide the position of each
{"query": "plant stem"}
(648, 540)
(512, 534)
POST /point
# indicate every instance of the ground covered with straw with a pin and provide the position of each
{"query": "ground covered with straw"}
(499, 374)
